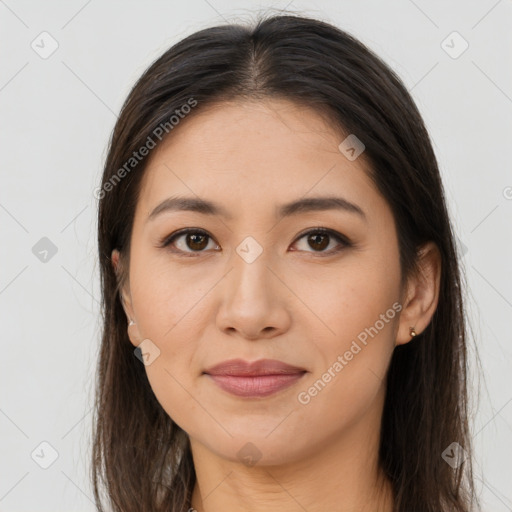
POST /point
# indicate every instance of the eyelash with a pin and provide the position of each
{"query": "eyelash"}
(168, 240)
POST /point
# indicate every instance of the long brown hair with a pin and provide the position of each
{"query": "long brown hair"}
(141, 458)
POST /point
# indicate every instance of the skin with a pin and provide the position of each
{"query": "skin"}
(292, 304)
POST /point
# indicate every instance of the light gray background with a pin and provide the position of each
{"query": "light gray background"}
(57, 115)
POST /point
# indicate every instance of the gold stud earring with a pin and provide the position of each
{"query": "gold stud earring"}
(412, 332)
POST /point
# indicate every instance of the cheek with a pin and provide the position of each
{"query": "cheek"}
(167, 298)
(169, 306)
(351, 375)
(176, 396)
(353, 300)
(359, 313)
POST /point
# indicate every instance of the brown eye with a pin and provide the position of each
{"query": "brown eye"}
(196, 241)
(319, 239)
(192, 242)
(188, 242)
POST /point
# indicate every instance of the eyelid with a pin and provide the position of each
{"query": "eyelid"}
(339, 237)
(320, 229)
(167, 240)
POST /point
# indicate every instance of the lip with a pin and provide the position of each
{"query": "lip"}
(254, 379)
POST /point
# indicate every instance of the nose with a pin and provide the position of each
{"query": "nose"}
(253, 301)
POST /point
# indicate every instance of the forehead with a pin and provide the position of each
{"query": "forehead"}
(253, 154)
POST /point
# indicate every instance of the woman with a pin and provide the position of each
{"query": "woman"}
(283, 319)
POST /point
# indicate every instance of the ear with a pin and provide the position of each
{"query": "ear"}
(126, 301)
(422, 294)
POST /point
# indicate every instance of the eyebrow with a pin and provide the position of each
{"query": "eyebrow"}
(206, 207)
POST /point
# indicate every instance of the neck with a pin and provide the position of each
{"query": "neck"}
(341, 474)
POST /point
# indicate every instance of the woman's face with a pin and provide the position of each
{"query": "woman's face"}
(250, 283)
